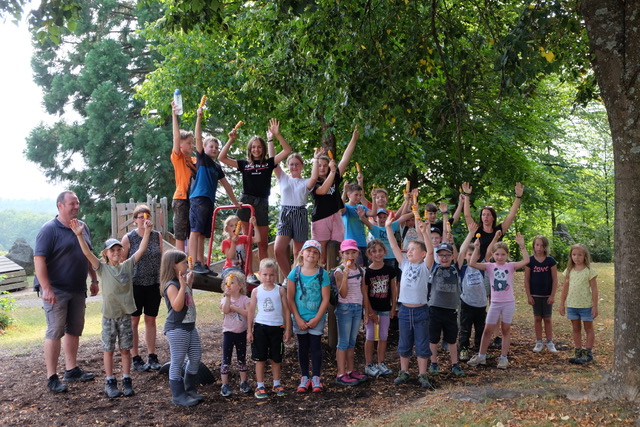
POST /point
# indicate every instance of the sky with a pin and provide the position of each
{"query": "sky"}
(20, 111)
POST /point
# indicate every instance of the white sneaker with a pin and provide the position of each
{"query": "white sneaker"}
(503, 362)
(383, 369)
(551, 347)
(477, 360)
(539, 346)
(371, 370)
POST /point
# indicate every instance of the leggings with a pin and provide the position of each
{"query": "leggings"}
(181, 344)
(229, 341)
(308, 343)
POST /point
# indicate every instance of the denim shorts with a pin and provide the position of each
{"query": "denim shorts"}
(318, 330)
(583, 314)
(413, 323)
(348, 318)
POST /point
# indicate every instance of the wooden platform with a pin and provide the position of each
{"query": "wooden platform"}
(15, 278)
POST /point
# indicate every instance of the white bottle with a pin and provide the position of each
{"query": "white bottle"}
(177, 99)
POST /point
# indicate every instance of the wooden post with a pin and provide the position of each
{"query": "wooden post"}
(114, 218)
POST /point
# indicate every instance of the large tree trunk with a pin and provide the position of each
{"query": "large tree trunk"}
(613, 27)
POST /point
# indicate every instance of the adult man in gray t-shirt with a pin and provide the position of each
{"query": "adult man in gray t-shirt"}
(61, 272)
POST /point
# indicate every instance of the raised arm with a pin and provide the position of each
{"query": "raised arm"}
(523, 250)
(458, 212)
(344, 162)
(514, 208)
(425, 235)
(223, 157)
(326, 185)
(465, 245)
(148, 227)
(77, 227)
(199, 142)
(176, 129)
(364, 200)
(444, 211)
(274, 128)
(466, 193)
(475, 263)
(314, 169)
(177, 296)
(397, 252)
(489, 252)
(363, 217)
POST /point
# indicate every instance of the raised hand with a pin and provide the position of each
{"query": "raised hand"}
(274, 127)
(76, 226)
(466, 188)
(519, 189)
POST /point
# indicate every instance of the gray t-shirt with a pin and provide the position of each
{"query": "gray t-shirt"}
(445, 287)
(474, 288)
(413, 283)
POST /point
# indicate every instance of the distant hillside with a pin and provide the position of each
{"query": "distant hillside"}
(23, 218)
(47, 206)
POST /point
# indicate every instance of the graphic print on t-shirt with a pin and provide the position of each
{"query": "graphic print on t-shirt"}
(267, 306)
(500, 279)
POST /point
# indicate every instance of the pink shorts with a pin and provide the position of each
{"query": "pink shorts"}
(329, 228)
(496, 309)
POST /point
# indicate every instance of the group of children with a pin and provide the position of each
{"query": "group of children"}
(406, 267)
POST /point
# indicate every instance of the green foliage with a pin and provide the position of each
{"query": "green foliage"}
(7, 304)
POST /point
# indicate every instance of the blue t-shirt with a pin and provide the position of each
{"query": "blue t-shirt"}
(308, 292)
(207, 176)
(353, 227)
(67, 267)
(380, 233)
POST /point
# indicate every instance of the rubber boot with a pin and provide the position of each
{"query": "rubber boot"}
(180, 396)
(190, 386)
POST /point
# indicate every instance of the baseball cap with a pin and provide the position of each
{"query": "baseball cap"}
(111, 243)
(436, 230)
(444, 247)
(312, 244)
(383, 211)
(349, 245)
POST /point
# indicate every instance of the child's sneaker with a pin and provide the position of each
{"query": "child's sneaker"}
(279, 390)
(111, 389)
(225, 391)
(402, 378)
(317, 385)
(477, 360)
(346, 379)
(577, 358)
(424, 382)
(464, 354)
(261, 393)
(538, 347)
(384, 369)
(305, 385)
(138, 364)
(127, 387)
(434, 369)
(551, 347)
(372, 370)
(245, 387)
(587, 355)
(357, 376)
(503, 362)
(457, 371)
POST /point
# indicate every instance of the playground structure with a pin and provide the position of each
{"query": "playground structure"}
(122, 222)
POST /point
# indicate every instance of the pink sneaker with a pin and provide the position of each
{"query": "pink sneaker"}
(357, 376)
(346, 379)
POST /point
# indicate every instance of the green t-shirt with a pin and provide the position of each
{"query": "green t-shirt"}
(117, 289)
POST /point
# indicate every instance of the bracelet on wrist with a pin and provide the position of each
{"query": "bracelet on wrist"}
(518, 197)
(466, 194)
(94, 281)
(445, 212)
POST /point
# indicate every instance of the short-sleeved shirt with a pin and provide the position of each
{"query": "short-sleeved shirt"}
(293, 191)
(445, 287)
(354, 285)
(184, 170)
(256, 179)
(233, 321)
(541, 279)
(241, 252)
(579, 295)
(328, 204)
(208, 174)
(67, 267)
(378, 283)
(117, 288)
(413, 282)
(354, 228)
(501, 281)
(185, 318)
(308, 294)
(380, 233)
(474, 292)
(486, 238)
(147, 270)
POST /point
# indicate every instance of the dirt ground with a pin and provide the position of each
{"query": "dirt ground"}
(25, 399)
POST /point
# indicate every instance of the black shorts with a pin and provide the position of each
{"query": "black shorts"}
(541, 308)
(261, 207)
(180, 209)
(147, 299)
(201, 215)
(267, 343)
(443, 322)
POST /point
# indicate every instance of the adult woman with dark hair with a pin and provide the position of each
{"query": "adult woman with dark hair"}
(146, 287)
(489, 219)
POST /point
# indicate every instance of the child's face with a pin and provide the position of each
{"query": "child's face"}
(382, 217)
(256, 150)
(230, 229)
(415, 253)
(295, 167)
(351, 254)
(212, 149)
(355, 196)
(432, 216)
(233, 286)
(114, 255)
(186, 146)
(376, 253)
(181, 267)
(323, 168)
(311, 256)
(538, 247)
(436, 239)
(268, 276)
(381, 199)
(500, 256)
(577, 256)
(469, 255)
(445, 258)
